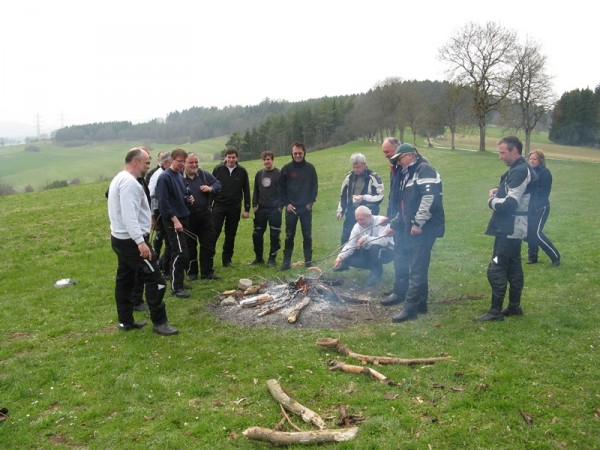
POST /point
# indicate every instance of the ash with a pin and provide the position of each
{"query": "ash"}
(334, 303)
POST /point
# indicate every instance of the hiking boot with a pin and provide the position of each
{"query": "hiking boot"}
(404, 316)
(392, 299)
(180, 293)
(556, 262)
(285, 266)
(165, 329)
(192, 277)
(489, 316)
(256, 262)
(512, 311)
(131, 326)
(227, 263)
(531, 260)
(422, 308)
(211, 276)
(272, 261)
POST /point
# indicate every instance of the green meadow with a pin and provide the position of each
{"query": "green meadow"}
(71, 380)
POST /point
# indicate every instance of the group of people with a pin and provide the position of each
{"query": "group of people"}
(415, 219)
(187, 205)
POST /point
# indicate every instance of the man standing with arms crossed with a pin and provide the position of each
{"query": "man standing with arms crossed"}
(298, 189)
(130, 222)
(510, 203)
(265, 202)
(235, 187)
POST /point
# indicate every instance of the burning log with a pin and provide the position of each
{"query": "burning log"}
(343, 350)
(338, 365)
(293, 406)
(300, 437)
(293, 316)
(251, 302)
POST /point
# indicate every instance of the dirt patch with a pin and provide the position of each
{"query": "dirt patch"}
(359, 305)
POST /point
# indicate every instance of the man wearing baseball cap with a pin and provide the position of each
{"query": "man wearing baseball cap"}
(416, 226)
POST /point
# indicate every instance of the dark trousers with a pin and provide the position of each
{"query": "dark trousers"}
(179, 253)
(371, 258)
(230, 217)
(412, 255)
(160, 238)
(201, 225)
(131, 264)
(536, 238)
(505, 268)
(349, 222)
(264, 217)
(291, 222)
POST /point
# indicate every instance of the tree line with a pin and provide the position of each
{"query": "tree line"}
(492, 78)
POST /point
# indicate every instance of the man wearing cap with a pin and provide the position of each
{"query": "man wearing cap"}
(129, 214)
(417, 224)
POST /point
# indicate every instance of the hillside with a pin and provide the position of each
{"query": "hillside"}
(71, 380)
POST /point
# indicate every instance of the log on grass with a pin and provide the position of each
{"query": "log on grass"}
(292, 405)
(300, 437)
(343, 350)
(338, 365)
(293, 316)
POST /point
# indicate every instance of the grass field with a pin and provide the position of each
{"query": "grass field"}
(71, 380)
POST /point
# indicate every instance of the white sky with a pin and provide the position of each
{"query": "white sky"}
(82, 61)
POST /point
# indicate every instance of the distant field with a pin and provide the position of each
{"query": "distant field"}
(97, 162)
(90, 163)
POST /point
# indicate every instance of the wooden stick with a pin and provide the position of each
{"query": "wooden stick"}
(293, 316)
(338, 365)
(286, 417)
(343, 350)
(293, 406)
(303, 437)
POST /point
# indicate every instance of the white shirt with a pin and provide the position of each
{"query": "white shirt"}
(372, 234)
(128, 208)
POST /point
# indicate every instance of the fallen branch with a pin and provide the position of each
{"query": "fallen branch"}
(293, 316)
(293, 406)
(338, 365)
(343, 350)
(287, 418)
(300, 437)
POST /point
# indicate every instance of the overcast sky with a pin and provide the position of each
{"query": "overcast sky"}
(82, 61)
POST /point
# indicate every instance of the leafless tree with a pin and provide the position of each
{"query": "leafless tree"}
(532, 95)
(481, 60)
(455, 106)
(412, 107)
(388, 97)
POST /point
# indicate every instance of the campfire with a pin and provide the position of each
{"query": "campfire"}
(311, 292)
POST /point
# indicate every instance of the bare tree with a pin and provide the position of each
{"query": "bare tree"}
(455, 108)
(532, 93)
(481, 60)
(387, 97)
(412, 107)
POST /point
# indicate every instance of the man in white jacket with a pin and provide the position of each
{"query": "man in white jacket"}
(130, 222)
(369, 246)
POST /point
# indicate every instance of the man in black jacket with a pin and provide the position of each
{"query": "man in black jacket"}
(228, 201)
(298, 189)
(201, 185)
(508, 225)
(267, 212)
(419, 222)
(172, 204)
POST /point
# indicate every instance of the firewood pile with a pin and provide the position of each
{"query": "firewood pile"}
(289, 299)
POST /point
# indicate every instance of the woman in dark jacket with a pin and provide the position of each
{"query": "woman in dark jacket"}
(539, 209)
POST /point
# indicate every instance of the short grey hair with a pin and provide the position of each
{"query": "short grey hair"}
(358, 158)
(363, 211)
